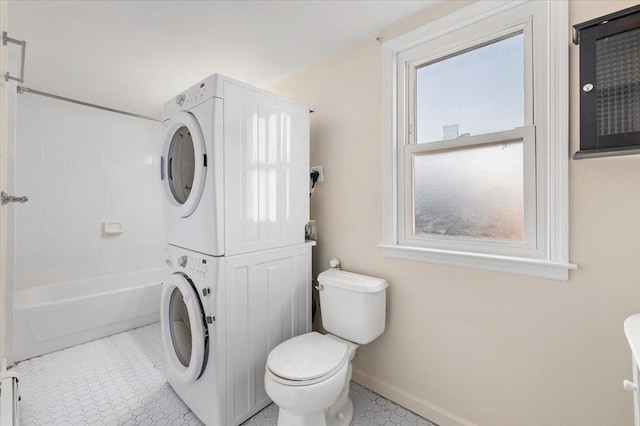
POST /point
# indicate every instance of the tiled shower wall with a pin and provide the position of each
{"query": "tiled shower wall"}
(82, 166)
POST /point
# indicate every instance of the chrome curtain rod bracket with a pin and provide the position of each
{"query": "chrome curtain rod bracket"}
(23, 44)
(22, 90)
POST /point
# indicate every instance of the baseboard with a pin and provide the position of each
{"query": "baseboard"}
(419, 406)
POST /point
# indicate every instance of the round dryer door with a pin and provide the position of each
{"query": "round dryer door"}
(183, 164)
(183, 328)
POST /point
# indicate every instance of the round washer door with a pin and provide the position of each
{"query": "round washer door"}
(183, 164)
(183, 328)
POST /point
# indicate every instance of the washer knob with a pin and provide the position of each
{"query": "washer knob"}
(180, 99)
(182, 261)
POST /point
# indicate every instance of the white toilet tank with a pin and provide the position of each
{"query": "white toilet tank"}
(353, 305)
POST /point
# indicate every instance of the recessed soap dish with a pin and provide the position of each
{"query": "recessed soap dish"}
(112, 228)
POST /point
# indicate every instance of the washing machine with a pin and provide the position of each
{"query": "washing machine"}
(234, 169)
(192, 339)
(220, 318)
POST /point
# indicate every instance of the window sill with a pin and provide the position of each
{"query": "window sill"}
(541, 268)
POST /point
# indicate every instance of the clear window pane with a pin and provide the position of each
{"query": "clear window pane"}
(618, 83)
(474, 193)
(181, 165)
(180, 327)
(475, 92)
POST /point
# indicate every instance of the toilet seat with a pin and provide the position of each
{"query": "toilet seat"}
(306, 359)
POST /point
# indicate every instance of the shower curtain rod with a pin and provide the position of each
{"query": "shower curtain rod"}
(22, 89)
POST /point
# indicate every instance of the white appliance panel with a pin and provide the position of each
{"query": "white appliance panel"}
(268, 301)
(266, 153)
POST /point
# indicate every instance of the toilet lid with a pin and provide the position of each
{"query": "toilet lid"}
(307, 357)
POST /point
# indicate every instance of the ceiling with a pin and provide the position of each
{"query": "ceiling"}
(135, 55)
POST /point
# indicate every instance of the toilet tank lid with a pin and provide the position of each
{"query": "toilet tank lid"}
(349, 281)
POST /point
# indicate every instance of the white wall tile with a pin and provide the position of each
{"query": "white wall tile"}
(54, 253)
(29, 278)
(80, 167)
(30, 241)
(34, 209)
(54, 228)
(29, 157)
(54, 168)
(54, 202)
(50, 275)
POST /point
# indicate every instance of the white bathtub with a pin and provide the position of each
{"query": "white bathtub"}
(60, 315)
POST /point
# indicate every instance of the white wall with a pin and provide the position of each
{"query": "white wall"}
(465, 346)
(81, 166)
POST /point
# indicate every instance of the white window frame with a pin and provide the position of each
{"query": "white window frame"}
(544, 25)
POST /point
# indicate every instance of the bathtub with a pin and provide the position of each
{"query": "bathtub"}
(59, 315)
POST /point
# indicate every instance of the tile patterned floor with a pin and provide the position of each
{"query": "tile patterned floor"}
(119, 380)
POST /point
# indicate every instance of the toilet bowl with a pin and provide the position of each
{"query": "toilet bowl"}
(308, 379)
(308, 376)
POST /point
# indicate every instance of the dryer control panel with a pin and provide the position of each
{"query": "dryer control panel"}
(193, 96)
(208, 88)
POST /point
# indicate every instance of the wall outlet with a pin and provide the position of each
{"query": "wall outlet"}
(319, 170)
(311, 231)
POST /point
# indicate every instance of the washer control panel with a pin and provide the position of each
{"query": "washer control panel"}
(194, 266)
(197, 268)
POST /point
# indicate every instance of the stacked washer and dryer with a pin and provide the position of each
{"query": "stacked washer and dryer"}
(235, 170)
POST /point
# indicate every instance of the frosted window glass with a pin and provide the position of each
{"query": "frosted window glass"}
(475, 92)
(472, 193)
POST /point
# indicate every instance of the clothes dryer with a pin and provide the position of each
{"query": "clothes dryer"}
(234, 169)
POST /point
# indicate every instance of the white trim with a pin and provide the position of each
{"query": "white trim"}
(558, 130)
(518, 265)
(4, 162)
(519, 133)
(389, 151)
(454, 21)
(551, 259)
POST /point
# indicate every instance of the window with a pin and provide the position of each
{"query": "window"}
(476, 143)
(610, 84)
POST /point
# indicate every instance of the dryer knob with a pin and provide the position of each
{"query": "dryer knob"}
(182, 261)
(180, 99)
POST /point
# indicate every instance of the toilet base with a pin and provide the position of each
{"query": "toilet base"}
(343, 417)
(324, 418)
(286, 418)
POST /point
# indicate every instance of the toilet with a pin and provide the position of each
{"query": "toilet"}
(308, 376)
